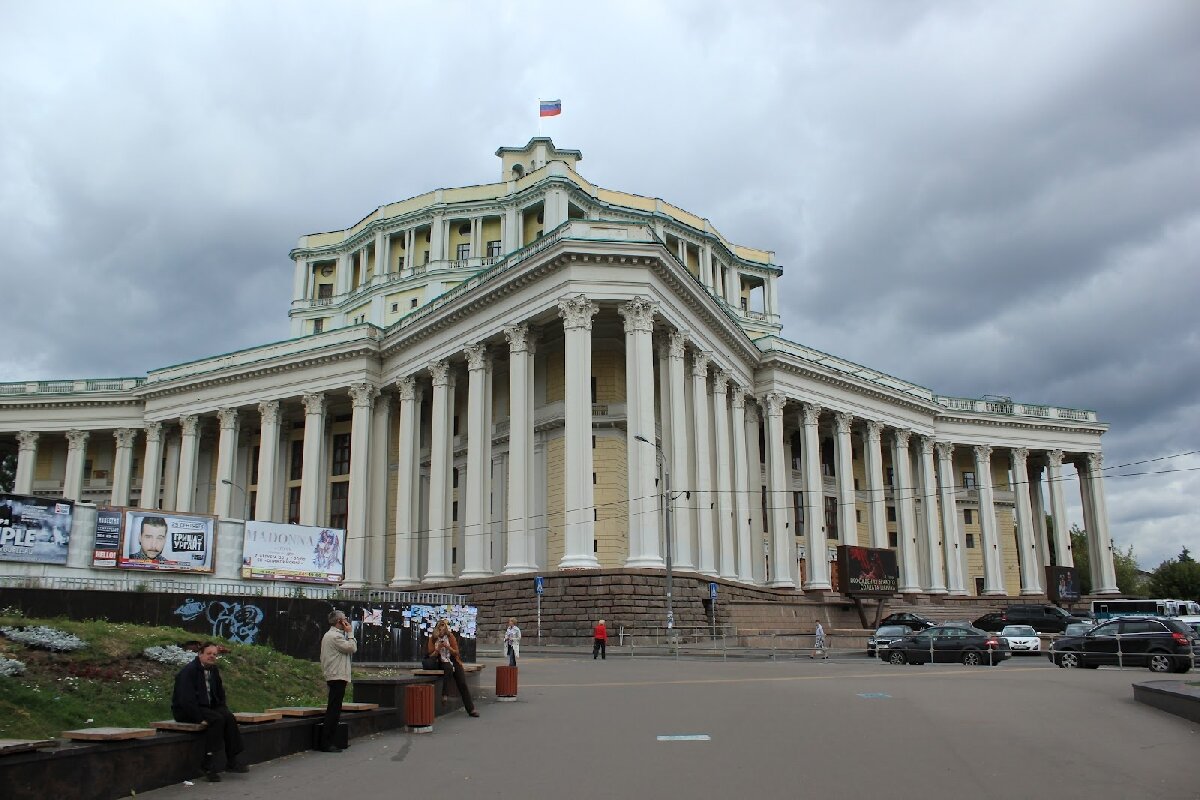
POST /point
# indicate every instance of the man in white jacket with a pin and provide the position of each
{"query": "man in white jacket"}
(512, 641)
(337, 645)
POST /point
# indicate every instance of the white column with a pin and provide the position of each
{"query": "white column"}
(122, 466)
(189, 455)
(410, 240)
(476, 516)
(929, 512)
(579, 495)
(681, 517)
(376, 573)
(510, 233)
(441, 461)
(1105, 581)
(151, 466)
(171, 471)
(437, 239)
(733, 293)
(1039, 514)
(956, 554)
(341, 280)
(1031, 582)
(76, 459)
(742, 499)
(702, 482)
(26, 462)
(300, 280)
(312, 474)
(906, 519)
(724, 482)
(778, 496)
(1058, 511)
(404, 568)
(814, 500)
(268, 460)
(993, 572)
(641, 458)
(226, 457)
(876, 505)
(519, 552)
(381, 265)
(363, 397)
(844, 452)
(752, 570)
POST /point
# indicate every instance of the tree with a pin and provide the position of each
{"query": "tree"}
(8, 472)
(1177, 578)
(1129, 579)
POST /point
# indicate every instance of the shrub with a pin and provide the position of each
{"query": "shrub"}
(44, 638)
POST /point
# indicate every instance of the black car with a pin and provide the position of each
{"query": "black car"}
(885, 635)
(948, 644)
(1163, 645)
(914, 622)
(1042, 618)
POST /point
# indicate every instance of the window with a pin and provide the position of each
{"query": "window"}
(324, 291)
(831, 518)
(745, 304)
(968, 517)
(318, 326)
(893, 539)
(970, 541)
(593, 479)
(765, 517)
(593, 442)
(254, 465)
(856, 484)
(798, 509)
(891, 513)
(493, 249)
(412, 303)
(463, 252)
(296, 470)
(979, 586)
(454, 478)
(593, 391)
(891, 477)
(455, 425)
(464, 229)
(595, 515)
(425, 259)
(857, 515)
(253, 501)
(453, 555)
(395, 306)
(968, 480)
(339, 502)
(294, 505)
(341, 454)
(454, 511)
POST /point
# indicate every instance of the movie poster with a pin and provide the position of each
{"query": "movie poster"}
(108, 537)
(1062, 585)
(867, 570)
(35, 529)
(168, 542)
(278, 552)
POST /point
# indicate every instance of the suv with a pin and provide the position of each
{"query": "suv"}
(1163, 645)
(1043, 618)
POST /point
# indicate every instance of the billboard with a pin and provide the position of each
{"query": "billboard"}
(1062, 584)
(108, 537)
(158, 541)
(867, 570)
(35, 529)
(278, 552)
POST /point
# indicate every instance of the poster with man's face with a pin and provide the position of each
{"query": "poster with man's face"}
(157, 540)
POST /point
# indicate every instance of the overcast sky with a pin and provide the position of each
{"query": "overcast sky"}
(981, 198)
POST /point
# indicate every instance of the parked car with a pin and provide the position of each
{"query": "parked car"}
(1042, 618)
(909, 620)
(1022, 639)
(883, 636)
(1163, 645)
(1078, 628)
(948, 644)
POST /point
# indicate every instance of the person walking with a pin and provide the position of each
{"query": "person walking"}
(599, 640)
(512, 641)
(443, 644)
(199, 697)
(337, 646)
(819, 640)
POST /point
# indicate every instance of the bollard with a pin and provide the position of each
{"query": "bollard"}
(506, 684)
(418, 707)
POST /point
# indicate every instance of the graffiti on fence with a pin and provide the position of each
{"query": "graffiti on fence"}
(235, 621)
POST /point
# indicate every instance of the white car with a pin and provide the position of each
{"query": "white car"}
(1022, 639)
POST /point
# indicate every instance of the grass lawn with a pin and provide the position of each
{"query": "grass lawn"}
(110, 682)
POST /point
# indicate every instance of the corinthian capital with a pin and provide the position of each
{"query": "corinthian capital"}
(124, 437)
(441, 373)
(983, 453)
(77, 439)
(1095, 462)
(314, 404)
(720, 382)
(811, 413)
(27, 440)
(773, 403)
(874, 431)
(518, 336)
(638, 314)
(902, 437)
(363, 395)
(476, 356)
(228, 418)
(676, 344)
(842, 422)
(153, 432)
(700, 363)
(577, 312)
(190, 424)
(407, 386)
(1055, 457)
(945, 450)
(1019, 456)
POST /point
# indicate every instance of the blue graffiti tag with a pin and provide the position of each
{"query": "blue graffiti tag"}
(230, 620)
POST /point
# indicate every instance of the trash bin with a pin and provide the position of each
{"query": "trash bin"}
(418, 707)
(506, 684)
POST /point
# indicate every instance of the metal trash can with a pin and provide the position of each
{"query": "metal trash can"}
(506, 684)
(418, 707)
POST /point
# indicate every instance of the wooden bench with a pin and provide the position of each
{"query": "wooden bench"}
(182, 727)
(11, 746)
(108, 734)
(449, 689)
(256, 717)
(298, 711)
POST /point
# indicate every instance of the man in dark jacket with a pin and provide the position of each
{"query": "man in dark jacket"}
(200, 697)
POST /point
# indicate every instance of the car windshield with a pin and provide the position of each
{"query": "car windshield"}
(891, 630)
(1018, 630)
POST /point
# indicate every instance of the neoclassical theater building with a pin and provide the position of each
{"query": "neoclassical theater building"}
(506, 378)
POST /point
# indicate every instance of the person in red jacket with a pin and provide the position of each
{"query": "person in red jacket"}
(599, 640)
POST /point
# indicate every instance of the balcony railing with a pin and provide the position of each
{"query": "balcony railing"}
(88, 385)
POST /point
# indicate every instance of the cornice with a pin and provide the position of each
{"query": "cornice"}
(781, 361)
(1024, 423)
(68, 401)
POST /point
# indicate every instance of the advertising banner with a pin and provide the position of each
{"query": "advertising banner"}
(167, 542)
(35, 529)
(279, 552)
(1062, 585)
(108, 537)
(867, 570)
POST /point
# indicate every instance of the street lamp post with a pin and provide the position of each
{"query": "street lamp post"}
(245, 497)
(662, 463)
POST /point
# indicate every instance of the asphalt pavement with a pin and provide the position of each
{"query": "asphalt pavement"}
(845, 728)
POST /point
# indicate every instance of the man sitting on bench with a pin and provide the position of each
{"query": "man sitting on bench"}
(200, 698)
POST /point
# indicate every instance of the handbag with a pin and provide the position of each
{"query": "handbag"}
(431, 661)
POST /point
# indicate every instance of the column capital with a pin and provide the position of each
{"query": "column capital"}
(441, 373)
(77, 439)
(926, 445)
(945, 450)
(269, 411)
(1019, 456)
(983, 453)
(521, 338)
(228, 417)
(1055, 457)
(874, 431)
(314, 403)
(751, 409)
(363, 395)
(153, 432)
(700, 363)
(27, 440)
(124, 437)
(190, 424)
(476, 356)
(407, 387)
(773, 403)
(1095, 462)
(638, 314)
(737, 396)
(676, 344)
(842, 421)
(902, 437)
(811, 413)
(720, 382)
(577, 312)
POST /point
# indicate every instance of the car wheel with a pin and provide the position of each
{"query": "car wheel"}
(1184, 666)
(972, 658)
(1161, 662)
(896, 657)
(1069, 659)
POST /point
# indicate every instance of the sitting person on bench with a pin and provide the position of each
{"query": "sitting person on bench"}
(443, 644)
(200, 698)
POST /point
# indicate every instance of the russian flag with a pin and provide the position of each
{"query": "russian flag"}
(549, 108)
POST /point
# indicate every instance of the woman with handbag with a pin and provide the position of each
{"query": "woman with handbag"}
(443, 646)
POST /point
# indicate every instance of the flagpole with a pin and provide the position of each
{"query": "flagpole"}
(539, 118)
